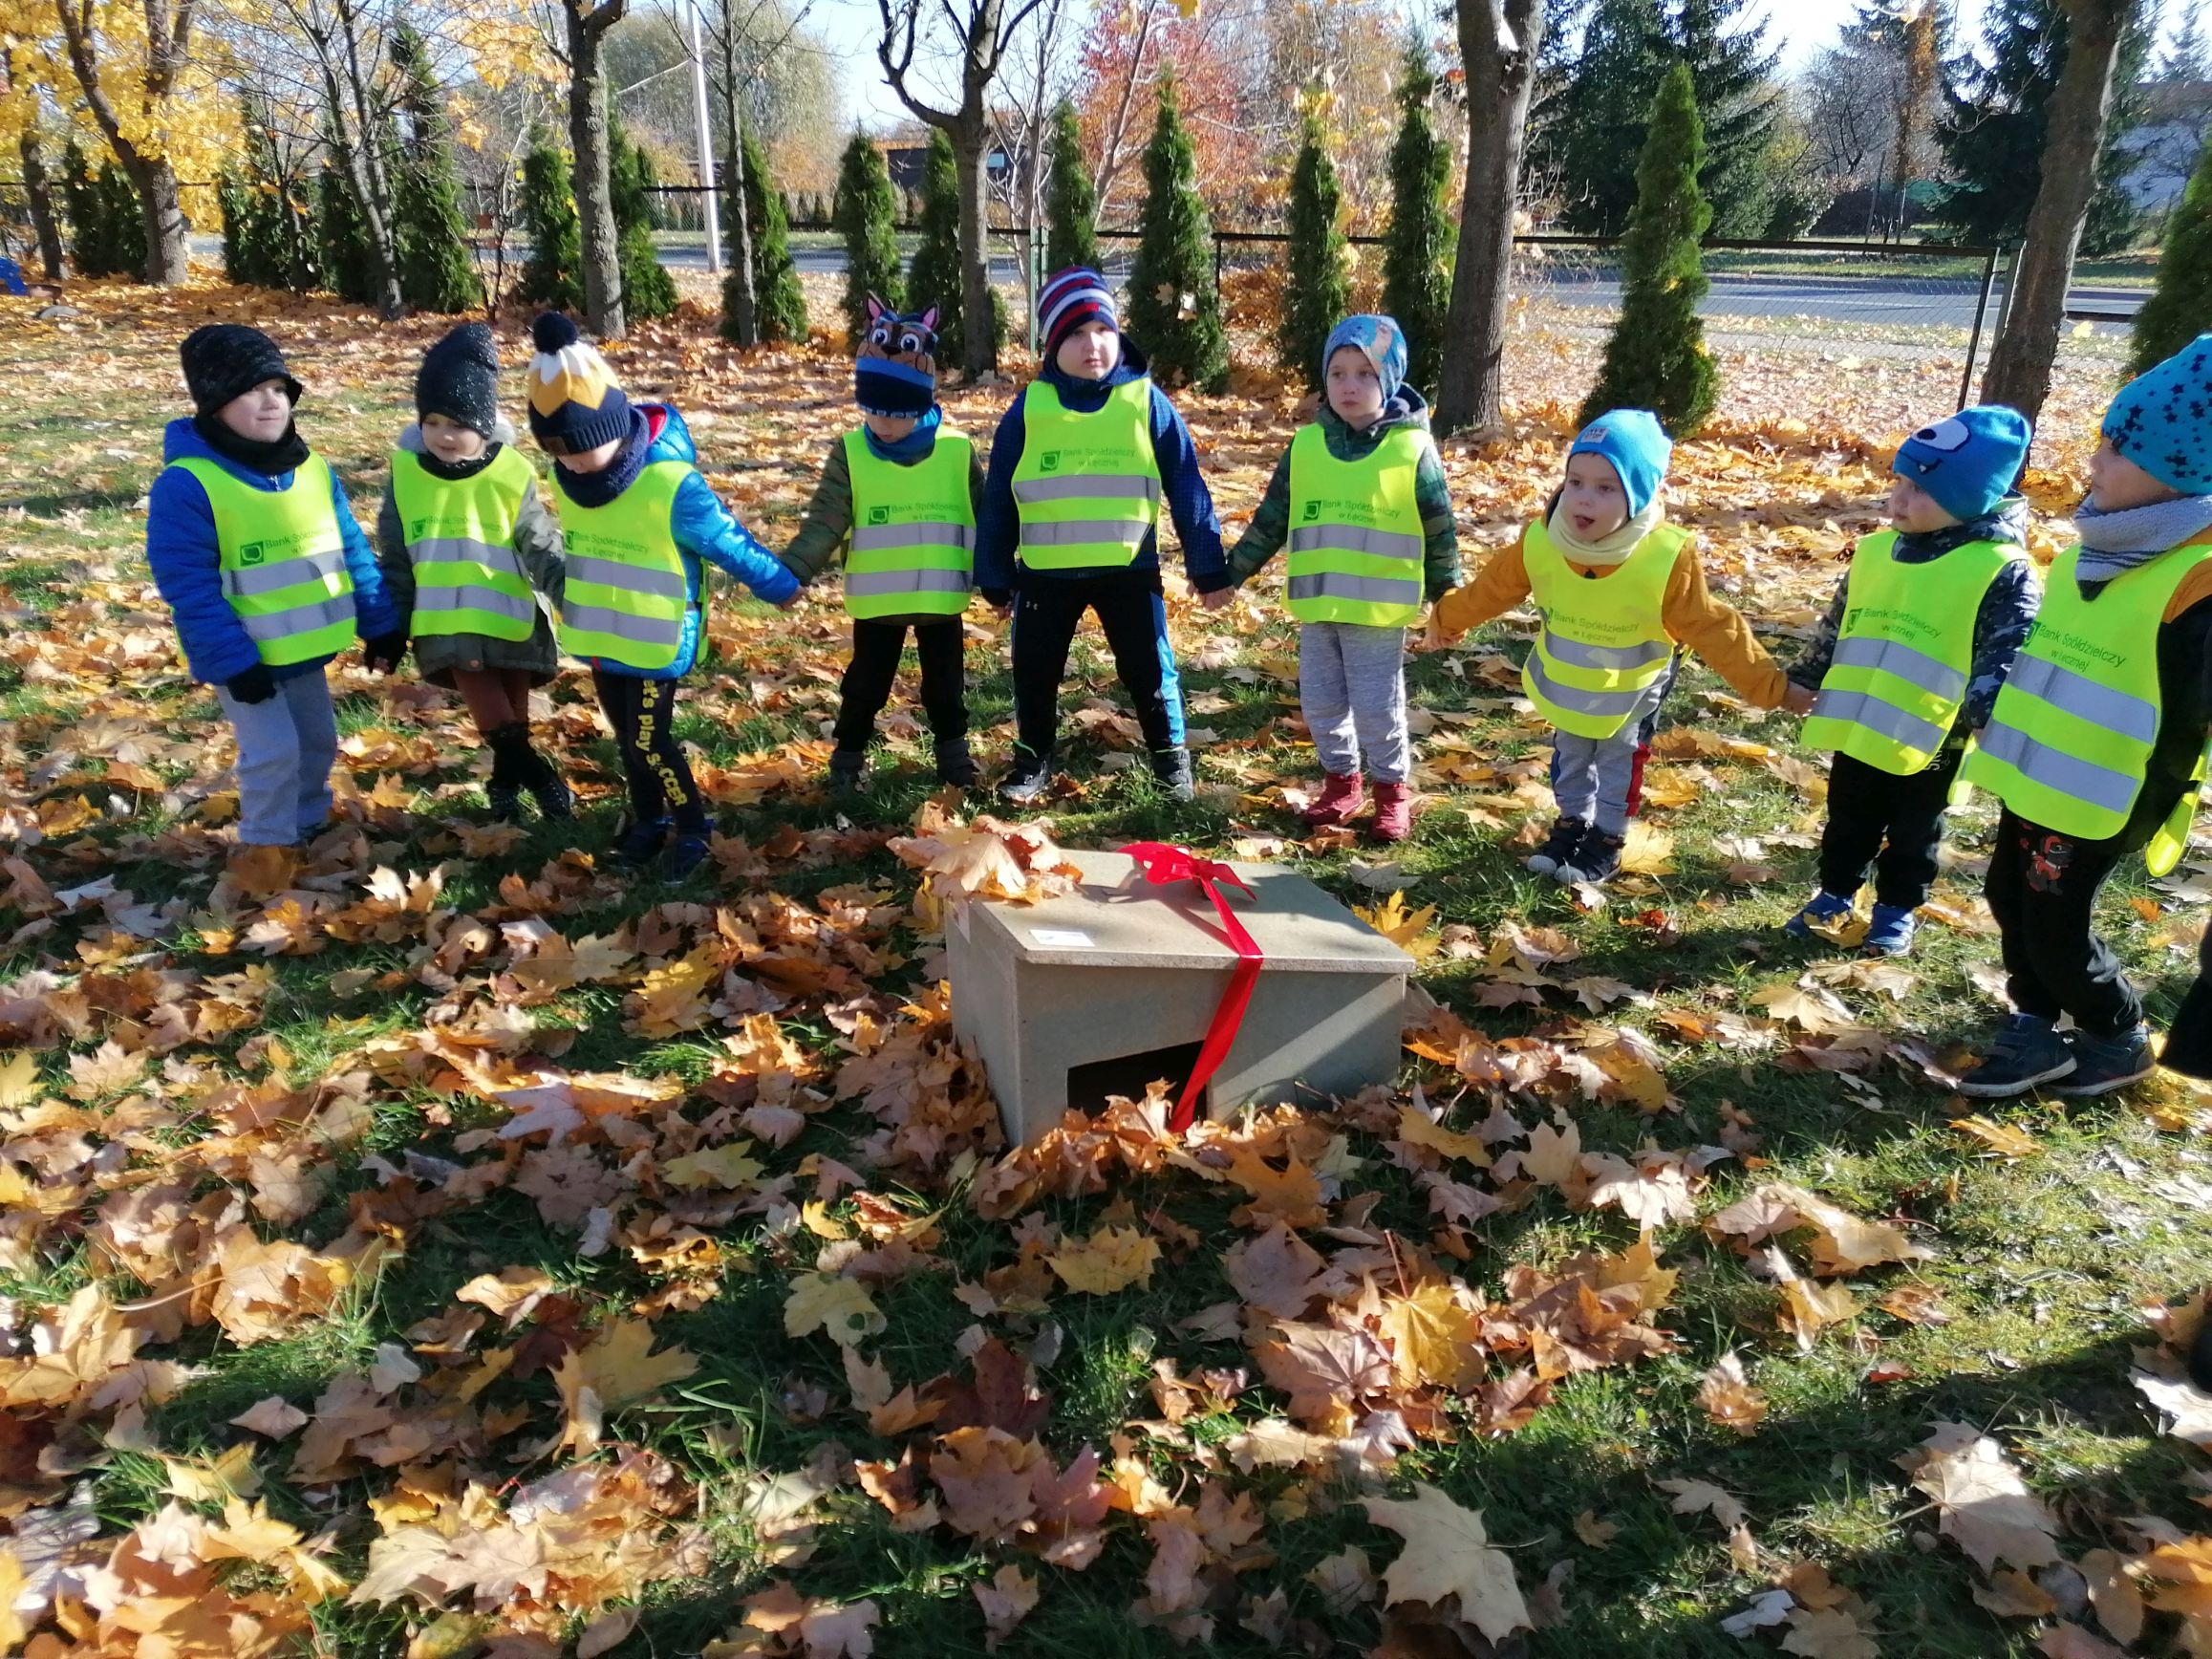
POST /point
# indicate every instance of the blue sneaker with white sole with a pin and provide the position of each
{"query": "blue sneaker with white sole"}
(1824, 908)
(1891, 932)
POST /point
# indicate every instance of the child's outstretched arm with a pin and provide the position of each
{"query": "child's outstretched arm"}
(187, 564)
(376, 619)
(1717, 632)
(1501, 584)
(2001, 626)
(1269, 527)
(1439, 527)
(391, 560)
(1189, 503)
(829, 519)
(998, 523)
(703, 528)
(538, 545)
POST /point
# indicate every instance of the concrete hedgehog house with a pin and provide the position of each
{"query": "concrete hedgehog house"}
(1105, 989)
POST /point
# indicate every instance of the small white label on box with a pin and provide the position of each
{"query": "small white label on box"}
(1061, 938)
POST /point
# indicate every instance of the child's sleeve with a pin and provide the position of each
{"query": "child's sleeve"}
(2001, 628)
(1439, 529)
(1501, 584)
(829, 519)
(375, 614)
(703, 528)
(997, 526)
(1189, 503)
(391, 561)
(1812, 662)
(187, 564)
(1717, 632)
(1270, 527)
(539, 546)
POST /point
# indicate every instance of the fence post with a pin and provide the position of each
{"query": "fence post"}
(1217, 261)
(1981, 311)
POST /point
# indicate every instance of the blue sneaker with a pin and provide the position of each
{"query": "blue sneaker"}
(1891, 932)
(2028, 1051)
(641, 843)
(692, 849)
(1824, 908)
(2104, 1064)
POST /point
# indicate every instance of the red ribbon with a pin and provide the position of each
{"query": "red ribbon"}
(1164, 864)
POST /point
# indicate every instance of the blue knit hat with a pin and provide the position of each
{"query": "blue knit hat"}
(2162, 420)
(1380, 340)
(1637, 447)
(576, 403)
(1967, 462)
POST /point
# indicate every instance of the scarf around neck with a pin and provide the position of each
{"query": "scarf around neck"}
(1606, 551)
(271, 459)
(2114, 543)
(598, 488)
(915, 446)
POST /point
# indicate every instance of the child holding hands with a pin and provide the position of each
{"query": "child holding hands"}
(256, 550)
(637, 519)
(1619, 590)
(897, 496)
(1360, 496)
(467, 547)
(1909, 659)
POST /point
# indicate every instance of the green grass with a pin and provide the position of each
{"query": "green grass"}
(2043, 1264)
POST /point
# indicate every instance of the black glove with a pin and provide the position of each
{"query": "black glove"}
(255, 685)
(383, 652)
(998, 598)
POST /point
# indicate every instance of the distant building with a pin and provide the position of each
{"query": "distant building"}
(2164, 146)
(907, 165)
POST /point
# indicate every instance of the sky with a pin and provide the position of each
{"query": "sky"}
(1801, 28)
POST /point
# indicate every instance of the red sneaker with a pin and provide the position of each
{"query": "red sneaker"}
(1393, 812)
(1341, 797)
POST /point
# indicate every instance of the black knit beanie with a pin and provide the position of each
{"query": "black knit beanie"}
(223, 360)
(460, 378)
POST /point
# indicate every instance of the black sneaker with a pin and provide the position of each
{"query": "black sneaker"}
(1173, 768)
(1598, 859)
(507, 802)
(847, 768)
(2104, 1064)
(2201, 1357)
(2026, 1053)
(555, 800)
(1560, 846)
(956, 766)
(1029, 778)
(641, 843)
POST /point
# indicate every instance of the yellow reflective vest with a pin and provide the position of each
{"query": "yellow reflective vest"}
(1087, 490)
(626, 593)
(912, 546)
(283, 560)
(459, 535)
(1604, 640)
(1355, 538)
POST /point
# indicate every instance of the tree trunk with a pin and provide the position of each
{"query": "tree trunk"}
(744, 303)
(1497, 42)
(161, 203)
(2019, 372)
(594, 187)
(979, 353)
(41, 198)
(373, 185)
(374, 209)
(162, 207)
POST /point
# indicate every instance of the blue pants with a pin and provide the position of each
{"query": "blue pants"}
(286, 745)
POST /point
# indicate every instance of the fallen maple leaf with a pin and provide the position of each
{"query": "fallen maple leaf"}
(1448, 1553)
(1109, 1261)
(1986, 1506)
(839, 1308)
(1728, 1398)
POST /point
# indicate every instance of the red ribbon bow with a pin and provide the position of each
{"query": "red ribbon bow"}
(1164, 864)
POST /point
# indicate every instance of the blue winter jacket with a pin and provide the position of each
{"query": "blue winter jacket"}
(187, 563)
(1189, 504)
(703, 530)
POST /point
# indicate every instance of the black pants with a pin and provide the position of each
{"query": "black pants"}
(2189, 1043)
(2043, 889)
(876, 648)
(1891, 823)
(643, 715)
(1046, 614)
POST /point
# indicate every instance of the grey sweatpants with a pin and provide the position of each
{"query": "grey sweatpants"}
(286, 749)
(1599, 780)
(1351, 686)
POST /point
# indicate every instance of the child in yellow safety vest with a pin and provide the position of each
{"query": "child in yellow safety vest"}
(256, 550)
(2096, 743)
(467, 547)
(898, 495)
(1618, 590)
(636, 520)
(1908, 662)
(1360, 499)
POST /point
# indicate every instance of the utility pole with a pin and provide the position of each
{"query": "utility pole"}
(706, 143)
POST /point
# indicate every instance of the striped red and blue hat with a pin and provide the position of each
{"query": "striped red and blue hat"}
(1071, 298)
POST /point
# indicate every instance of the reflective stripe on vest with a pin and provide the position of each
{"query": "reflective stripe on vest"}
(459, 535)
(283, 560)
(2070, 742)
(1604, 643)
(913, 548)
(625, 593)
(1903, 654)
(1086, 488)
(1356, 545)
